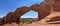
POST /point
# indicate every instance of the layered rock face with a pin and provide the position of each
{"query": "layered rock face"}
(42, 10)
(56, 5)
(56, 8)
(54, 11)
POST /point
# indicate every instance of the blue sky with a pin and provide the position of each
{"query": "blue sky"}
(11, 5)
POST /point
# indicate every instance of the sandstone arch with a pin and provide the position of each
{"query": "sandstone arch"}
(43, 9)
(15, 16)
(21, 11)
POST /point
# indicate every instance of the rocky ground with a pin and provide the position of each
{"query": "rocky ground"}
(32, 24)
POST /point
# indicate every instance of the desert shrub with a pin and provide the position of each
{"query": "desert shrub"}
(28, 20)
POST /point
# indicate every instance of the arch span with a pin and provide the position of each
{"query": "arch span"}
(42, 9)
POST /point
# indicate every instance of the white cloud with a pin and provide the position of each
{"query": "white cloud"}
(1, 16)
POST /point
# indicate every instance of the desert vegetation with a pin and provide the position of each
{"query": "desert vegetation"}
(27, 20)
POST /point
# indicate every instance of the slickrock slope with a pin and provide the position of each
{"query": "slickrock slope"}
(54, 12)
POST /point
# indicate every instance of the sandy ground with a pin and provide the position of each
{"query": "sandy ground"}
(33, 24)
(39, 24)
(13, 24)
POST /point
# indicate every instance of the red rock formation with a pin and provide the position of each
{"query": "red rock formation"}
(21, 11)
(56, 5)
(54, 10)
(43, 10)
(8, 18)
(54, 19)
(15, 16)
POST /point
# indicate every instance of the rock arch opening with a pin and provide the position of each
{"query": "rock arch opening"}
(30, 14)
(29, 17)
